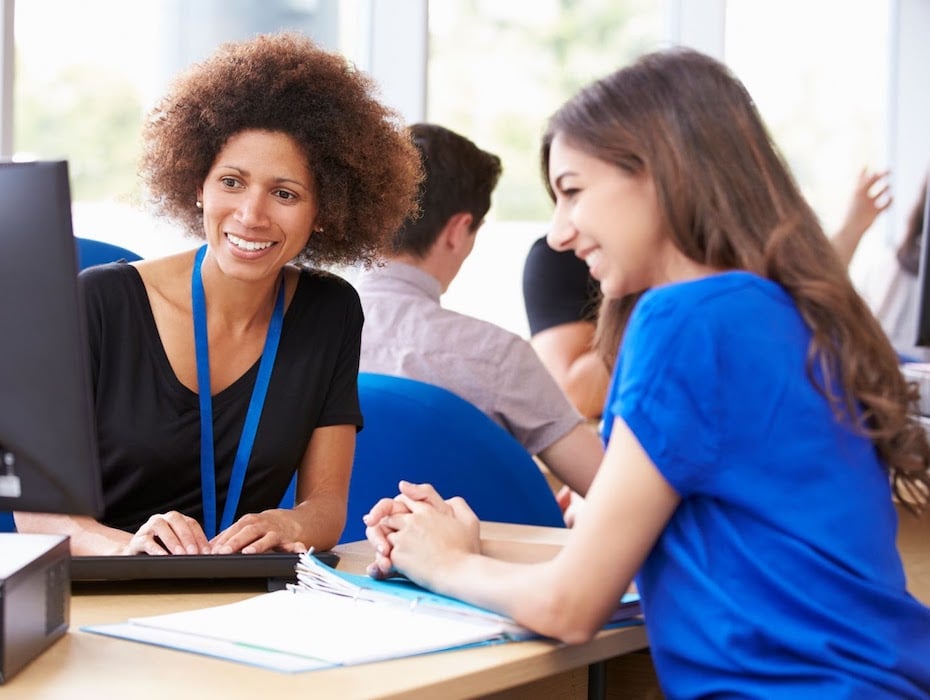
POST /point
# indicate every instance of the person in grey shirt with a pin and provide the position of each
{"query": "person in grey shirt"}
(408, 333)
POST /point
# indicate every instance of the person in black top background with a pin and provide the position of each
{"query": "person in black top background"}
(562, 300)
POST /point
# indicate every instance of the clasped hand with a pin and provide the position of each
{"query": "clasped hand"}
(419, 534)
(176, 533)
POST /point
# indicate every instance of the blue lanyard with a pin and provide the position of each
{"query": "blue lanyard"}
(246, 440)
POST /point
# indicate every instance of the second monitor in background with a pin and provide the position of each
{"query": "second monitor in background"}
(562, 301)
(923, 285)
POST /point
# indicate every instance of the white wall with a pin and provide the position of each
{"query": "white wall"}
(395, 50)
(6, 78)
(909, 121)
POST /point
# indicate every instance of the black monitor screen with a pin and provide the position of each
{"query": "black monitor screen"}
(923, 281)
(48, 450)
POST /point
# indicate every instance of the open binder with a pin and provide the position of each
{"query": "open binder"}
(329, 618)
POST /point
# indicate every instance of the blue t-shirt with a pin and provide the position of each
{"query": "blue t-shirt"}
(778, 573)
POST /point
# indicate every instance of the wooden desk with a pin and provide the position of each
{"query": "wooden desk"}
(914, 546)
(83, 665)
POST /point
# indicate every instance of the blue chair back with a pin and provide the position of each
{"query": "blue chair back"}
(423, 433)
(89, 252)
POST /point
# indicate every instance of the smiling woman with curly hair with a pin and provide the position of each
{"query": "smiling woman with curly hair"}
(222, 373)
(364, 167)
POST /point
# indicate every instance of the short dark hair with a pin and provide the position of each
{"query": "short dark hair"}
(459, 177)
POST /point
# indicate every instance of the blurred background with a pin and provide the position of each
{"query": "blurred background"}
(841, 85)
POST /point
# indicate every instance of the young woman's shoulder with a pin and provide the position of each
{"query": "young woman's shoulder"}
(702, 311)
(721, 292)
(109, 279)
(167, 279)
(320, 282)
(167, 269)
(111, 290)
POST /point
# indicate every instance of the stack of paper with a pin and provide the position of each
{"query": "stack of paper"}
(313, 575)
(330, 618)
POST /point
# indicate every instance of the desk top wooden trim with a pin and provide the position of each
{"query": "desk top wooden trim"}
(88, 665)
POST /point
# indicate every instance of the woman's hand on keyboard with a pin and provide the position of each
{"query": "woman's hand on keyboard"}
(270, 530)
(169, 533)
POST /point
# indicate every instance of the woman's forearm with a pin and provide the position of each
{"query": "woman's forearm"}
(87, 536)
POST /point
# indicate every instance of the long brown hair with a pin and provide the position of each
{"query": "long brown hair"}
(730, 202)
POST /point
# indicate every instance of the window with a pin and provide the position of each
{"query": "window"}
(86, 73)
(818, 72)
(496, 71)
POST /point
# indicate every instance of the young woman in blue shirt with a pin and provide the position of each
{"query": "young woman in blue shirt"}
(757, 424)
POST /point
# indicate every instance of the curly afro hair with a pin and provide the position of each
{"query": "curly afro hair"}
(366, 168)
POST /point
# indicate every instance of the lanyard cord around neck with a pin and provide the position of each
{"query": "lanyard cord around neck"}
(250, 427)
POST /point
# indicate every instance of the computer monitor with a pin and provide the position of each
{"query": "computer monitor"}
(923, 276)
(48, 448)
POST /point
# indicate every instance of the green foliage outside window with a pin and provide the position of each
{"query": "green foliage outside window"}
(498, 69)
(85, 115)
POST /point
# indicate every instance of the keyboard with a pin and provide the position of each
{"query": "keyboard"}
(140, 567)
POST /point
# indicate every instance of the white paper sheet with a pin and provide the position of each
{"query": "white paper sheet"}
(323, 629)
